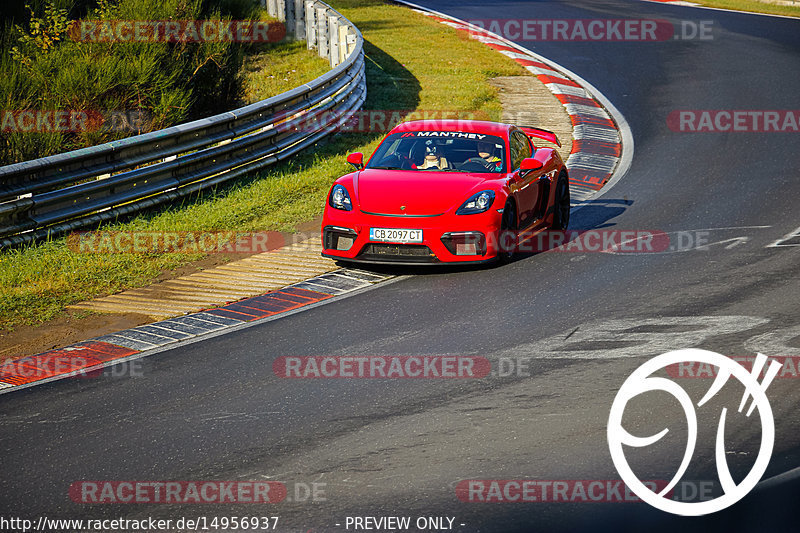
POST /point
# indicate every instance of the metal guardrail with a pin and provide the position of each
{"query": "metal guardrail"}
(61, 193)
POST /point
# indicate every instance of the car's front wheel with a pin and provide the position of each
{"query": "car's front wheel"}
(508, 233)
(562, 203)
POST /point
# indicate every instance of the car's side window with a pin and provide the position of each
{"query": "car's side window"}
(520, 148)
(514, 146)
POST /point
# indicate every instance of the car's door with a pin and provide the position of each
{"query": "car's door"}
(526, 186)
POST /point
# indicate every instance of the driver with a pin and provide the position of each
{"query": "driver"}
(433, 157)
(486, 152)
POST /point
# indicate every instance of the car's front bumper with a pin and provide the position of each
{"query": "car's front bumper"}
(445, 238)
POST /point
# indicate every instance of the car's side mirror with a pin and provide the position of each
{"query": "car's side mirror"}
(528, 165)
(356, 159)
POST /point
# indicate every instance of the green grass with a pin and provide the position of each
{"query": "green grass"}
(279, 69)
(754, 6)
(412, 63)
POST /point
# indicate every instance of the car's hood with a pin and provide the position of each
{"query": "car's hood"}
(400, 192)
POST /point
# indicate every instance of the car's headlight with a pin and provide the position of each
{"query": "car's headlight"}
(339, 198)
(477, 203)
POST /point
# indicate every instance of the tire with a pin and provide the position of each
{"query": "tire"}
(508, 223)
(562, 204)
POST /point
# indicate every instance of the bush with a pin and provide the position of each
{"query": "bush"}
(161, 84)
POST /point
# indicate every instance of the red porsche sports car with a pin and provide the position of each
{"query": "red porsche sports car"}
(446, 192)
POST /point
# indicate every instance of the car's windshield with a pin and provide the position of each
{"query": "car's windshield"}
(444, 151)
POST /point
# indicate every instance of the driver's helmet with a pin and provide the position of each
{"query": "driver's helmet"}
(485, 147)
(432, 148)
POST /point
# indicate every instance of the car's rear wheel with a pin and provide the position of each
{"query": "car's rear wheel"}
(508, 233)
(562, 203)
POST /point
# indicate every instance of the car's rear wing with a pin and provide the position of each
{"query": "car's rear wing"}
(540, 134)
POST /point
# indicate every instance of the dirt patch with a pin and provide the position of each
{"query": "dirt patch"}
(527, 102)
(303, 231)
(67, 329)
(209, 261)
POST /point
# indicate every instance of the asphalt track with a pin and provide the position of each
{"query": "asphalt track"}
(215, 410)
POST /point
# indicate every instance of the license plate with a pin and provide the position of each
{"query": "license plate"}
(395, 235)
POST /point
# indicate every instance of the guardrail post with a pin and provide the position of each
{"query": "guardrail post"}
(289, 21)
(322, 32)
(352, 40)
(298, 19)
(333, 35)
(343, 48)
(280, 10)
(311, 25)
(272, 8)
